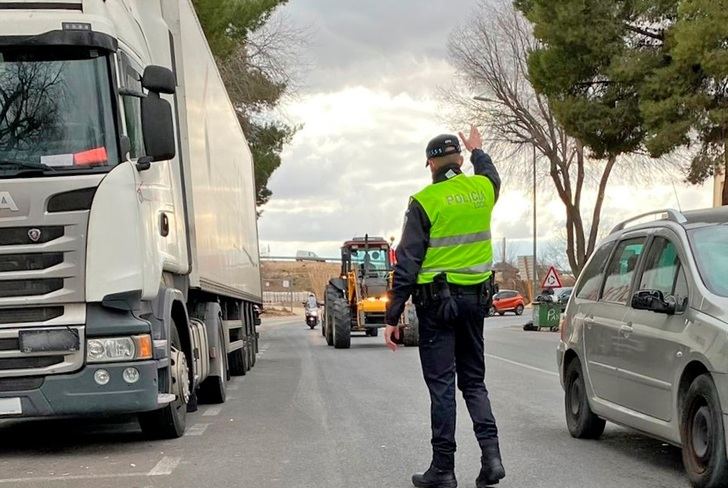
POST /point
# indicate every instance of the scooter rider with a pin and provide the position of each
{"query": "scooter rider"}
(444, 260)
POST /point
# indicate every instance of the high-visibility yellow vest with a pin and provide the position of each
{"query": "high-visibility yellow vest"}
(460, 244)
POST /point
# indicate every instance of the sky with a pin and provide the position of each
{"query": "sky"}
(368, 104)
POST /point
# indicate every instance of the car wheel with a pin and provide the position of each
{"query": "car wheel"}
(519, 310)
(501, 313)
(703, 439)
(581, 421)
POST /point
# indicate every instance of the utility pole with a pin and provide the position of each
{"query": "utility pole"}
(535, 265)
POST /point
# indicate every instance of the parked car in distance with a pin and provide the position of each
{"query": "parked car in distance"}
(562, 296)
(508, 301)
(309, 256)
(644, 338)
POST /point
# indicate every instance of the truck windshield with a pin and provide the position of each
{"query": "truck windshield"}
(710, 245)
(56, 113)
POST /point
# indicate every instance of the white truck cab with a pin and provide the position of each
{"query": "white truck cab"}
(129, 263)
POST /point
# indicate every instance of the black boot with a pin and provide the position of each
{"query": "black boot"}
(435, 478)
(492, 470)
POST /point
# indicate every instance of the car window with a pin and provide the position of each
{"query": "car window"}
(591, 276)
(663, 272)
(621, 270)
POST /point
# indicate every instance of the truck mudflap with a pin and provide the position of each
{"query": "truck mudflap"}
(80, 394)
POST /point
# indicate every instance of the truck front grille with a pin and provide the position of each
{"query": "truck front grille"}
(29, 362)
(27, 315)
(29, 288)
(15, 363)
(22, 236)
(20, 384)
(29, 262)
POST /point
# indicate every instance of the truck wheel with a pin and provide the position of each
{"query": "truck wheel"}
(214, 388)
(701, 429)
(519, 310)
(412, 331)
(170, 421)
(373, 332)
(237, 362)
(251, 350)
(342, 324)
(581, 421)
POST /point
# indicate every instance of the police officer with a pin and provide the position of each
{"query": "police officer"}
(444, 261)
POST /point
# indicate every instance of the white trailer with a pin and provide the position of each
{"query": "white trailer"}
(129, 261)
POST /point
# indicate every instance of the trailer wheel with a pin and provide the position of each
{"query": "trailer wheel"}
(251, 352)
(237, 361)
(170, 421)
(214, 388)
(342, 324)
(412, 331)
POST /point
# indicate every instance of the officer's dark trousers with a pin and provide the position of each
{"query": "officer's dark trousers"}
(447, 352)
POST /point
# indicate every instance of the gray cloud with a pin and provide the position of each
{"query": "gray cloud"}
(368, 108)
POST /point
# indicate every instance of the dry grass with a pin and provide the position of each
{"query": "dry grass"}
(304, 276)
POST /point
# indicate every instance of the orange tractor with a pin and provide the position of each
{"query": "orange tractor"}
(356, 300)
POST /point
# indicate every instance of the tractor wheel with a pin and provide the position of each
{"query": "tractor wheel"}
(342, 324)
(327, 328)
(412, 331)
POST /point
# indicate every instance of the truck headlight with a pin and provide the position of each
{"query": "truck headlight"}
(111, 349)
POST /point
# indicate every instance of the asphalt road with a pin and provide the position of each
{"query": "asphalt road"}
(311, 416)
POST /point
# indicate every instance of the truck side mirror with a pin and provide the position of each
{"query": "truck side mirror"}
(158, 128)
(159, 79)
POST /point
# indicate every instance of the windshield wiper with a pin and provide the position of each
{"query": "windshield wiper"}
(26, 165)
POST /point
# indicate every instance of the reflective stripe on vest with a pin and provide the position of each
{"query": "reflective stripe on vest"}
(460, 246)
(464, 239)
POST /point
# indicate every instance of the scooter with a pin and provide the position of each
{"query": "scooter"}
(312, 317)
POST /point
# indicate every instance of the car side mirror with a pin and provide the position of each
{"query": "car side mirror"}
(158, 79)
(654, 301)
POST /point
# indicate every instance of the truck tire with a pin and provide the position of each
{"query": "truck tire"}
(251, 353)
(214, 388)
(237, 362)
(170, 421)
(342, 324)
(412, 331)
(372, 332)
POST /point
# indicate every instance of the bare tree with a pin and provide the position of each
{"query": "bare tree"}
(491, 55)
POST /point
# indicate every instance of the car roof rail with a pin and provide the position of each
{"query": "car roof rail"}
(670, 213)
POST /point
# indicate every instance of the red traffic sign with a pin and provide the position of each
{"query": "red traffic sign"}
(552, 280)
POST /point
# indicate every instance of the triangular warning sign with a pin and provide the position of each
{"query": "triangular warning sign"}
(552, 280)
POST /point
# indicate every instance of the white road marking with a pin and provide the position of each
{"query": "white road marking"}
(521, 365)
(48, 479)
(197, 429)
(165, 466)
(212, 411)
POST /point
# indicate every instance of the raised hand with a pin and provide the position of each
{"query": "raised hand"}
(475, 141)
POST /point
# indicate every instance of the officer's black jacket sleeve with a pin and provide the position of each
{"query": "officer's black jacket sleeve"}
(484, 167)
(410, 255)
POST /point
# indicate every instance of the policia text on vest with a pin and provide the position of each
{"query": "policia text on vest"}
(444, 261)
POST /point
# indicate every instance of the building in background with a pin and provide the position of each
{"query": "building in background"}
(718, 191)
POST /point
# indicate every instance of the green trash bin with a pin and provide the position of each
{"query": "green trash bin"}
(546, 315)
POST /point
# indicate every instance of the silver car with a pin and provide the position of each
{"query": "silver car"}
(644, 340)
